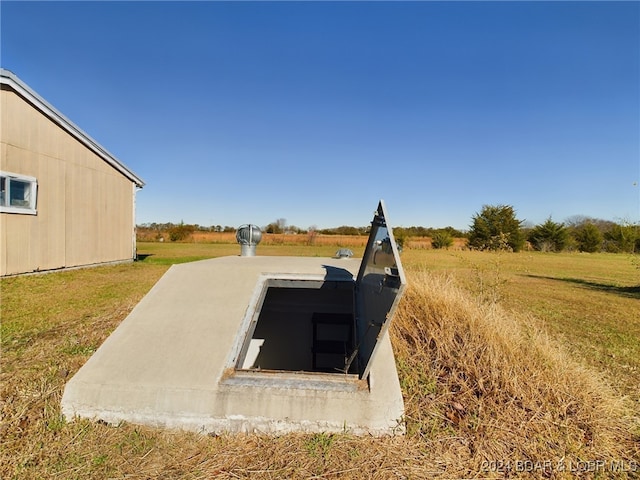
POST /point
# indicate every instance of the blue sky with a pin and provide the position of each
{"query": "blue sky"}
(243, 112)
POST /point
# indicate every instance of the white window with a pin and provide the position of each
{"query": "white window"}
(18, 193)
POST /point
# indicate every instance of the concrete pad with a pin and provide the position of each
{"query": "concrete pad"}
(173, 361)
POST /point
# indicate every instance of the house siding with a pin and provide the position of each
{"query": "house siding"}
(84, 205)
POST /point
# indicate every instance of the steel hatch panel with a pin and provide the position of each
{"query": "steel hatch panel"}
(379, 287)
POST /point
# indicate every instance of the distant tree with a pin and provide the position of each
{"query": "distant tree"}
(441, 239)
(400, 236)
(312, 234)
(496, 228)
(588, 238)
(276, 227)
(426, 232)
(455, 233)
(622, 238)
(576, 221)
(345, 230)
(549, 236)
(180, 232)
(414, 231)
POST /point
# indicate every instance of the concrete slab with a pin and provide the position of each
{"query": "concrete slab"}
(172, 361)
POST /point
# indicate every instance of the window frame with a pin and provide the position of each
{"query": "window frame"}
(30, 209)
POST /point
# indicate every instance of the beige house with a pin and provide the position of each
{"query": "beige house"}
(65, 201)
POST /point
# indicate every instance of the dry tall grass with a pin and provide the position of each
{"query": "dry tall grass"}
(346, 241)
(487, 396)
(503, 390)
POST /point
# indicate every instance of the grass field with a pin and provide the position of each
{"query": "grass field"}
(512, 365)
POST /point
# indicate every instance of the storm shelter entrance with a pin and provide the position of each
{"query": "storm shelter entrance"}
(256, 344)
(330, 324)
(302, 326)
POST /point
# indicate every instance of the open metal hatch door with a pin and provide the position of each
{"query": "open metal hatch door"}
(379, 286)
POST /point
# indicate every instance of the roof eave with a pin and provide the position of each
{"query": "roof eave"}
(10, 79)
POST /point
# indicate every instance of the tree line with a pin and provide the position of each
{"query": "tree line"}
(182, 231)
(494, 228)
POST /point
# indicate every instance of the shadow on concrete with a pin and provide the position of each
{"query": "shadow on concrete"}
(337, 273)
(628, 292)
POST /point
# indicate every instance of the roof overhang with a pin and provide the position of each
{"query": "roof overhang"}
(12, 81)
